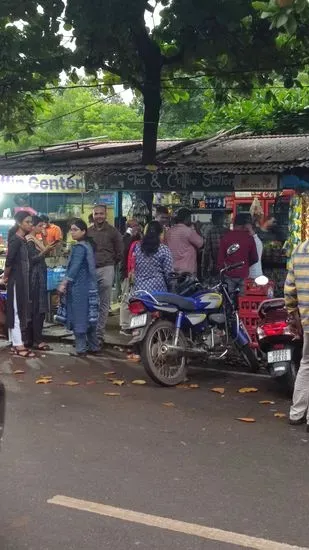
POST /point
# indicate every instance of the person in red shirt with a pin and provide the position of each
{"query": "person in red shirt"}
(247, 252)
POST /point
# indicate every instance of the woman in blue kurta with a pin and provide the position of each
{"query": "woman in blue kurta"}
(80, 287)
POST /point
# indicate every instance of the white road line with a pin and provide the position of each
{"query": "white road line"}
(192, 529)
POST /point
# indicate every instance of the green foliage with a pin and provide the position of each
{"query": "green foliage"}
(273, 111)
(30, 56)
(285, 15)
(114, 121)
(229, 41)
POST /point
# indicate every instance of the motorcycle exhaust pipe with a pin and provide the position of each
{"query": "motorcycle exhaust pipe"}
(170, 350)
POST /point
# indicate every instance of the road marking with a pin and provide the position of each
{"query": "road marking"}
(193, 529)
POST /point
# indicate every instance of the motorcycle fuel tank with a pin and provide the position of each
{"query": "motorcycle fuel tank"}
(210, 300)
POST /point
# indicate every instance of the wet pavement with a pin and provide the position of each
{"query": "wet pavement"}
(173, 453)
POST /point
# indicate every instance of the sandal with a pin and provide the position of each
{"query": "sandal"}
(43, 347)
(26, 353)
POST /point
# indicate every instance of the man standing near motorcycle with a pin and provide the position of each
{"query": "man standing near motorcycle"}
(246, 252)
(296, 294)
(184, 243)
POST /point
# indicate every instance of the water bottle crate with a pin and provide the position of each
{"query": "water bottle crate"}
(249, 305)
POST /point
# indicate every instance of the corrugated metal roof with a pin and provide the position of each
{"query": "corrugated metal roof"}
(250, 150)
(222, 154)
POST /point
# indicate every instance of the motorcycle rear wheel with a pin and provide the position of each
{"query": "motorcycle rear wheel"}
(287, 381)
(166, 370)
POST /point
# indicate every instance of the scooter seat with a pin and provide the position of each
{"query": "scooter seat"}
(187, 304)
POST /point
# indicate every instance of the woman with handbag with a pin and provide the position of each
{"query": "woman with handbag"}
(80, 291)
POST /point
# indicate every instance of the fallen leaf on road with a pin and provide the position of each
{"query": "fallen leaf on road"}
(245, 419)
(90, 382)
(218, 390)
(183, 386)
(111, 394)
(139, 382)
(19, 372)
(280, 415)
(247, 390)
(193, 386)
(118, 382)
(71, 383)
(43, 381)
(169, 404)
(267, 402)
(109, 373)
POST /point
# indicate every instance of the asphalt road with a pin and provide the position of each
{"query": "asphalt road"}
(190, 461)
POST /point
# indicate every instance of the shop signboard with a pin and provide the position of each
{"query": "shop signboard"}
(146, 180)
(290, 181)
(253, 182)
(42, 183)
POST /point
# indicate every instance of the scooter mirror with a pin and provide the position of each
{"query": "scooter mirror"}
(232, 249)
(261, 280)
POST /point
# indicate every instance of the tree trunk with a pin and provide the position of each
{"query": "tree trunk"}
(150, 54)
(152, 106)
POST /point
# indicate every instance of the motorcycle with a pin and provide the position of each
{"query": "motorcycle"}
(279, 343)
(171, 327)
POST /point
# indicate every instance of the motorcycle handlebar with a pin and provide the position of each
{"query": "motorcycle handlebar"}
(232, 266)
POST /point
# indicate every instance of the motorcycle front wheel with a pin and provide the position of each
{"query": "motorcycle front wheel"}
(250, 357)
(166, 369)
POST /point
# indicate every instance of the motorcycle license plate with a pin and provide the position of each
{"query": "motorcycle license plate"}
(279, 355)
(138, 321)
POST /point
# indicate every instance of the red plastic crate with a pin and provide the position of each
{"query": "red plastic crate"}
(248, 313)
(249, 304)
(252, 289)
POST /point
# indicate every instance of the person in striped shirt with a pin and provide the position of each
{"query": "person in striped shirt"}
(296, 294)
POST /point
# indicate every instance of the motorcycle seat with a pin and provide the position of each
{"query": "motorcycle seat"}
(187, 304)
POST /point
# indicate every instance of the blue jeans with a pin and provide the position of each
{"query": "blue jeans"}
(86, 341)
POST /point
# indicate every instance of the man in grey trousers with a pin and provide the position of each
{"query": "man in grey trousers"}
(108, 252)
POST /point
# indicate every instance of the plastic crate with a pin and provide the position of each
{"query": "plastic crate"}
(248, 313)
(252, 289)
(249, 304)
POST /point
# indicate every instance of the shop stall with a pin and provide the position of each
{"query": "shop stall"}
(61, 197)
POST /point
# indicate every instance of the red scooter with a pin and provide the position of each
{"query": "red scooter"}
(279, 342)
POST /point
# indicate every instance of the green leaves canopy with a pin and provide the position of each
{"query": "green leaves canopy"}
(228, 41)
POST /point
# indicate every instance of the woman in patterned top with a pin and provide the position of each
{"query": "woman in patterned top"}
(153, 262)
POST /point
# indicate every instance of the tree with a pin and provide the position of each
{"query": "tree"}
(266, 111)
(227, 40)
(91, 117)
(31, 56)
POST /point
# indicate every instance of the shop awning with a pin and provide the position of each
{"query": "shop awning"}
(220, 158)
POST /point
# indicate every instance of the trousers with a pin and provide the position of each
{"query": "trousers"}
(300, 404)
(87, 341)
(15, 336)
(105, 278)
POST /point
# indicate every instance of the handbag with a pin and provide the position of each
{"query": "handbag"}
(62, 314)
